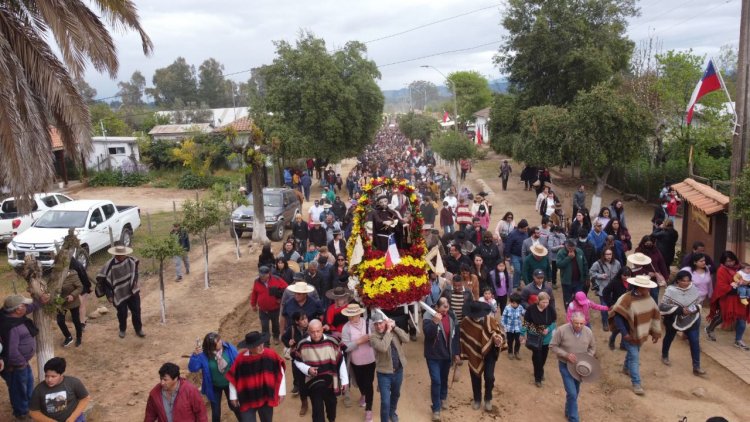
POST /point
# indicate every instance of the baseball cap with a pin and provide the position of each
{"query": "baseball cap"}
(538, 273)
(14, 301)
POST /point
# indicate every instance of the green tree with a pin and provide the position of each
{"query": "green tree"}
(417, 126)
(324, 104)
(556, 48)
(453, 147)
(37, 83)
(172, 82)
(608, 129)
(212, 87)
(199, 216)
(544, 131)
(87, 92)
(131, 92)
(472, 92)
(103, 116)
(422, 93)
(503, 123)
(161, 248)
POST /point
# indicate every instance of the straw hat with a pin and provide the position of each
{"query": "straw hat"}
(352, 309)
(639, 259)
(120, 250)
(301, 287)
(642, 281)
(293, 265)
(538, 250)
(586, 368)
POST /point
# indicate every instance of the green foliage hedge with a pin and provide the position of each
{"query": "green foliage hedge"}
(118, 178)
(190, 180)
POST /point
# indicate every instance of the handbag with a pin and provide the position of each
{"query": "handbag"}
(533, 340)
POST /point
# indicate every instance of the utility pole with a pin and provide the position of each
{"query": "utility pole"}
(740, 141)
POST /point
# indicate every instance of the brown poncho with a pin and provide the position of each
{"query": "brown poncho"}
(476, 340)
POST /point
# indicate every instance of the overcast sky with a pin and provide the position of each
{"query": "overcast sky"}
(239, 33)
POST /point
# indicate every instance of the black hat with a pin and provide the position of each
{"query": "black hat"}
(478, 310)
(252, 339)
(298, 277)
(264, 270)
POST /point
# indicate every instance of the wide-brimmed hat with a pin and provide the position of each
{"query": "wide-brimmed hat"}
(642, 281)
(301, 287)
(293, 265)
(478, 310)
(253, 339)
(353, 309)
(326, 206)
(120, 250)
(538, 250)
(337, 232)
(377, 317)
(14, 301)
(639, 259)
(338, 293)
(427, 227)
(586, 368)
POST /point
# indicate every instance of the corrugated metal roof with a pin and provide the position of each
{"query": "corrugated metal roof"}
(701, 196)
(485, 112)
(181, 129)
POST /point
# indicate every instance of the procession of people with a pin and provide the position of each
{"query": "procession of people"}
(496, 288)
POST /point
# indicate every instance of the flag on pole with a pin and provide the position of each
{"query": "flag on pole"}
(479, 136)
(392, 257)
(446, 116)
(710, 82)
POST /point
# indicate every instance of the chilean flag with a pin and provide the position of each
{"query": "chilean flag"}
(710, 82)
(446, 116)
(392, 257)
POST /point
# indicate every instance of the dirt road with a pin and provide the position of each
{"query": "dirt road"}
(120, 373)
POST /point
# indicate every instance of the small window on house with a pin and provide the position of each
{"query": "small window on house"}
(117, 150)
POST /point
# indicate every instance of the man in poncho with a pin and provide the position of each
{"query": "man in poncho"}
(118, 280)
(482, 339)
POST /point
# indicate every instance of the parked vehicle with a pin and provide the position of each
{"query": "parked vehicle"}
(279, 206)
(13, 224)
(91, 220)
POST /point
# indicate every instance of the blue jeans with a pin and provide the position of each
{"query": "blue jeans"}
(693, 336)
(743, 291)
(439, 370)
(739, 329)
(264, 413)
(572, 388)
(272, 318)
(515, 261)
(569, 291)
(20, 386)
(448, 229)
(389, 386)
(178, 260)
(605, 314)
(632, 361)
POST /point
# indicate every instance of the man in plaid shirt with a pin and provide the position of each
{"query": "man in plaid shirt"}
(512, 320)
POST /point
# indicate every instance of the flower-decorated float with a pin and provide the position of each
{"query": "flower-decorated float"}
(386, 250)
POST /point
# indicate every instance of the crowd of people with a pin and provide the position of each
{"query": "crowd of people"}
(496, 291)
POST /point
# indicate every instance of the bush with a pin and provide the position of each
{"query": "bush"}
(118, 178)
(191, 180)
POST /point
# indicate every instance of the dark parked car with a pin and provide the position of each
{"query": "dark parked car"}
(279, 206)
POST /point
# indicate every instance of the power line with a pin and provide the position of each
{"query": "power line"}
(440, 53)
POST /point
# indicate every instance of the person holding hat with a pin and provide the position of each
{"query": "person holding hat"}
(257, 378)
(300, 296)
(538, 284)
(265, 299)
(212, 359)
(356, 337)
(119, 281)
(339, 298)
(319, 357)
(537, 259)
(574, 345)
(481, 339)
(680, 308)
(17, 334)
(574, 270)
(637, 317)
(387, 340)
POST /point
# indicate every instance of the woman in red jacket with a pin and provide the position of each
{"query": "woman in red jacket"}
(726, 307)
(186, 401)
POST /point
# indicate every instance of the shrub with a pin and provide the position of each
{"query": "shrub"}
(118, 178)
(191, 180)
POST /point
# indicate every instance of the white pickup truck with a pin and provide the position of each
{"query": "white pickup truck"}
(13, 224)
(91, 220)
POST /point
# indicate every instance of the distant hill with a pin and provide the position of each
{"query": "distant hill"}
(496, 85)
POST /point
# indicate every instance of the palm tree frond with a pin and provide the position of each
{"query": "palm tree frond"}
(123, 15)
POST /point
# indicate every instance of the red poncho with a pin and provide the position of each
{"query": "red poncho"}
(725, 299)
(257, 379)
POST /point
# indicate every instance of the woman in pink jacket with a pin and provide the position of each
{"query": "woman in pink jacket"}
(582, 304)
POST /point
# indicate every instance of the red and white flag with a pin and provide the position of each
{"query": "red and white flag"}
(446, 116)
(392, 257)
(479, 136)
(710, 82)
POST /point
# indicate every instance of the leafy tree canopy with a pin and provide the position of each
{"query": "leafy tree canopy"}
(472, 92)
(417, 126)
(176, 81)
(131, 92)
(102, 116)
(556, 48)
(452, 146)
(324, 104)
(212, 87)
(544, 131)
(87, 92)
(503, 122)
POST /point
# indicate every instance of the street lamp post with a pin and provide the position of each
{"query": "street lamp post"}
(455, 95)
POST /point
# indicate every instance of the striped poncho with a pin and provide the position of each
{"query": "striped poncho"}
(325, 355)
(641, 314)
(477, 342)
(119, 280)
(257, 379)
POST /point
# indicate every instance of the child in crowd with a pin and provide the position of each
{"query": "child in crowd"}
(582, 304)
(741, 282)
(512, 320)
(489, 298)
(311, 254)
